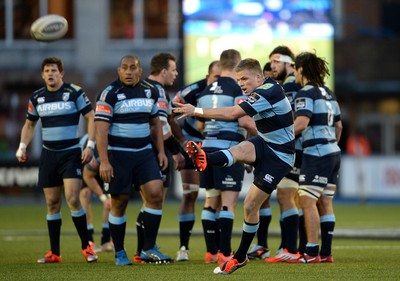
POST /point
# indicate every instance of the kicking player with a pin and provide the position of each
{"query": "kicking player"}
(271, 152)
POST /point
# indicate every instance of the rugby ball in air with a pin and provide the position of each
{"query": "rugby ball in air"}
(49, 28)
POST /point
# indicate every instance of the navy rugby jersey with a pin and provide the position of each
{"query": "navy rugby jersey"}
(219, 134)
(291, 88)
(59, 112)
(273, 116)
(163, 104)
(129, 110)
(189, 94)
(320, 105)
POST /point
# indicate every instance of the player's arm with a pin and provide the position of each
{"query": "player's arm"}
(248, 123)
(105, 169)
(338, 130)
(157, 136)
(87, 153)
(300, 124)
(27, 133)
(221, 113)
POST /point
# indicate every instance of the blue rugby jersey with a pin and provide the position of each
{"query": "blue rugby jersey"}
(273, 115)
(189, 94)
(163, 104)
(128, 110)
(219, 134)
(320, 105)
(59, 112)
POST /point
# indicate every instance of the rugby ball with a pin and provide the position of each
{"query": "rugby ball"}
(49, 28)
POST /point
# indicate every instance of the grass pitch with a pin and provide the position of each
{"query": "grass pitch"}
(23, 239)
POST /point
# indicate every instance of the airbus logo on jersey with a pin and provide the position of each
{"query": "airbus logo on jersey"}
(49, 108)
(268, 178)
(319, 179)
(133, 105)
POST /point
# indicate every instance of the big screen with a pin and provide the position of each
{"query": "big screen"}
(254, 27)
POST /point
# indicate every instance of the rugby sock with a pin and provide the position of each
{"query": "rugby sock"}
(151, 224)
(210, 229)
(140, 232)
(312, 249)
(327, 227)
(225, 225)
(90, 230)
(302, 233)
(186, 222)
(217, 230)
(79, 219)
(262, 232)
(283, 233)
(221, 158)
(54, 228)
(249, 231)
(117, 230)
(105, 233)
(291, 224)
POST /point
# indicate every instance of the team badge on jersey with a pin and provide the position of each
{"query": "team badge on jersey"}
(300, 104)
(121, 96)
(148, 93)
(253, 98)
(65, 96)
(40, 100)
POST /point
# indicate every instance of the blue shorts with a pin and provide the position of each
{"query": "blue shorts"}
(269, 169)
(54, 166)
(132, 168)
(320, 171)
(223, 178)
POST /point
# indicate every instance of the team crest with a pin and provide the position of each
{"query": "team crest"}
(65, 96)
(148, 93)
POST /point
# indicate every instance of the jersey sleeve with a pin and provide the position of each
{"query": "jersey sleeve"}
(105, 106)
(303, 104)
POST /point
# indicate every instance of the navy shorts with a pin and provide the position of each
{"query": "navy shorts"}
(54, 166)
(223, 178)
(132, 168)
(269, 169)
(320, 171)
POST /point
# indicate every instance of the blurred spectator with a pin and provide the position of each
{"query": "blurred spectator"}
(358, 144)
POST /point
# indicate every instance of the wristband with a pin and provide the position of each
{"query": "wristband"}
(198, 110)
(21, 148)
(103, 198)
(90, 144)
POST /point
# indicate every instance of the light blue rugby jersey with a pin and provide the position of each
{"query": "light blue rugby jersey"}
(218, 134)
(59, 112)
(320, 105)
(272, 113)
(129, 110)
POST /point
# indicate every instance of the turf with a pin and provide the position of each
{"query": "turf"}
(23, 239)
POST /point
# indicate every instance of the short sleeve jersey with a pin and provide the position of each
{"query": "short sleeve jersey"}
(128, 110)
(59, 113)
(219, 134)
(272, 113)
(320, 105)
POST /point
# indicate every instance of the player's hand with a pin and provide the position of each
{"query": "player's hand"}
(179, 160)
(87, 155)
(106, 171)
(186, 110)
(163, 161)
(22, 154)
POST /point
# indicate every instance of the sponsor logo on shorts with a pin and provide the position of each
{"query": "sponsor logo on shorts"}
(229, 181)
(302, 178)
(322, 180)
(268, 178)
